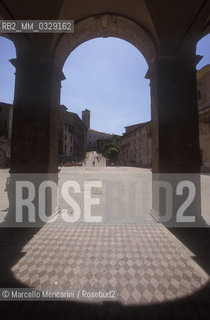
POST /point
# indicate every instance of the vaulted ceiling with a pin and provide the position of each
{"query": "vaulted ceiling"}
(173, 26)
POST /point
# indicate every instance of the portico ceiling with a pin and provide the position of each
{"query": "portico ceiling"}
(173, 26)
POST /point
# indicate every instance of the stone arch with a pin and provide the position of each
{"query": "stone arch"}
(107, 25)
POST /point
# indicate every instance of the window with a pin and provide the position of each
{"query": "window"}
(199, 94)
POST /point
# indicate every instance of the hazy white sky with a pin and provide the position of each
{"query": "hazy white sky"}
(103, 75)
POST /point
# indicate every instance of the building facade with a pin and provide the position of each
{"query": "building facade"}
(203, 86)
(136, 145)
(92, 139)
(73, 135)
(6, 116)
(66, 143)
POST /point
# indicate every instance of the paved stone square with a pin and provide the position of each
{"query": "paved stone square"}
(142, 261)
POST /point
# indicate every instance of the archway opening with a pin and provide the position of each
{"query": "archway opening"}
(107, 76)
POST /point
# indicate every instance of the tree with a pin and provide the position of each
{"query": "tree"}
(111, 151)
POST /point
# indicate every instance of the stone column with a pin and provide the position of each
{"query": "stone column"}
(35, 118)
(34, 152)
(174, 108)
(175, 132)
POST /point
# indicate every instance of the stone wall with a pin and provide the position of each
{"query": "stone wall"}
(203, 86)
(204, 128)
(4, 152)
(136, 146)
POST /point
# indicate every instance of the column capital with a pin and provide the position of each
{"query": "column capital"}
(192, 59)
(39, 64)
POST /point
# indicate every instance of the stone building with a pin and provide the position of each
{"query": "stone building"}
(6, 115)
(136, 145)
(66, 143)
(93, 136)
(203, 86)
(73, 135)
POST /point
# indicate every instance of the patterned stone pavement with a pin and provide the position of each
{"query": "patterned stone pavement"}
(142, 263)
